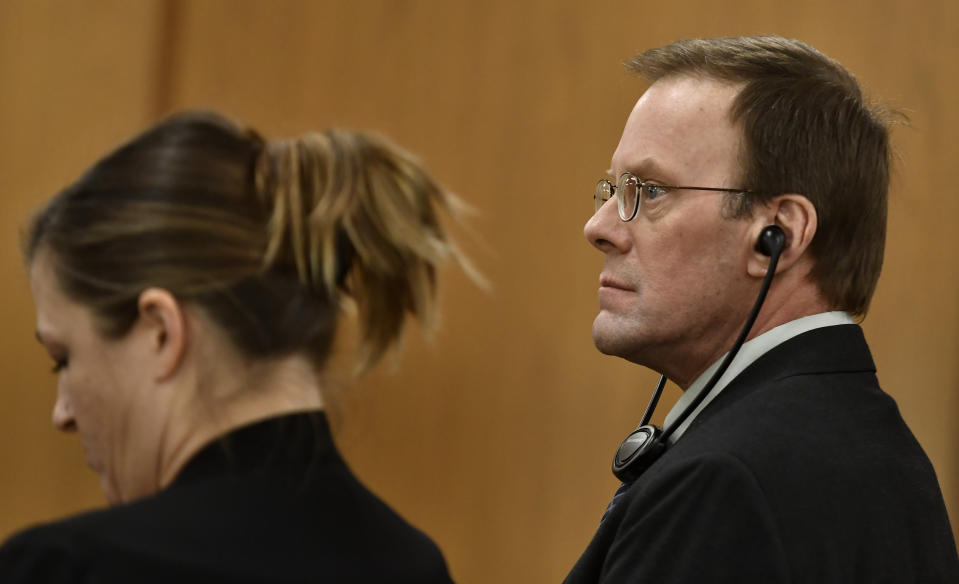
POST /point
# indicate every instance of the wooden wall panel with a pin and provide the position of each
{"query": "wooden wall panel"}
(495, 436)
(75, 79)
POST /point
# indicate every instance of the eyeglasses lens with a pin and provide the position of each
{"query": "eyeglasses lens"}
(604, 190)
(628, 196)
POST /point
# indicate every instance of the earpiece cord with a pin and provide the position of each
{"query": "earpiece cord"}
(767, 281)
(653, 401)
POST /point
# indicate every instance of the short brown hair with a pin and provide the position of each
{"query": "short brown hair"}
(265, 236)
(807, 130)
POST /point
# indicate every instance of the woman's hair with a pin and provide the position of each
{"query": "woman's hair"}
(266, 237)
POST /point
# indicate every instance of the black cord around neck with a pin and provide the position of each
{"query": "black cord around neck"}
(653, 401)
(767, 281)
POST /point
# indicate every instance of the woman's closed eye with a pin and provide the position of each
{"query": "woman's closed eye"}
(59, 365)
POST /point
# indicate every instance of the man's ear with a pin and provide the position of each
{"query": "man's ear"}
(164, 320)
(796, 216)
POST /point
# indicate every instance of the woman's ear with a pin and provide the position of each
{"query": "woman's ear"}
(796, 216)
(165, 324)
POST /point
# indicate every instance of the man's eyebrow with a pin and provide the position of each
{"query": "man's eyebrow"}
(649, 168)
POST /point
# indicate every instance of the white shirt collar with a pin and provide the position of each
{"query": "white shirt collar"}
(750, 351)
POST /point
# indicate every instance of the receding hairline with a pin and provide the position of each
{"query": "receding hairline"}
(736, 88)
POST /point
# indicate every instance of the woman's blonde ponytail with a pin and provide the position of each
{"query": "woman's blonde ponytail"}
(353, 213)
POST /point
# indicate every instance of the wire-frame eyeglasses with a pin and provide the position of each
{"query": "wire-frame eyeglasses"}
(633, 191)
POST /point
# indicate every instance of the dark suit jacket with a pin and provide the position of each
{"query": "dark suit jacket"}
(801, 470)
(273, 502)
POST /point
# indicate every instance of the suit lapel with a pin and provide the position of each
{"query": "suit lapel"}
(832, 349)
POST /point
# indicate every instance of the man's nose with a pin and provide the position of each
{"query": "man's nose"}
(605, 230)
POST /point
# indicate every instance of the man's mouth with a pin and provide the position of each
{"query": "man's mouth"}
(606, 281)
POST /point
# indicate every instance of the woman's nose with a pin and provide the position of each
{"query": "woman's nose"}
(63, 415)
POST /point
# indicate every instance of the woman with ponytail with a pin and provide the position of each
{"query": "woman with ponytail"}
(188, 288)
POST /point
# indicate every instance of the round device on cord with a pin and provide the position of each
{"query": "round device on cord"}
(647, 443)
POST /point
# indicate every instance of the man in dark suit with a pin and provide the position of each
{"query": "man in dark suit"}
(790, 465)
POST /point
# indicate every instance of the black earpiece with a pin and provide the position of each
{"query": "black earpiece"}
(771, 239)
(638, 452)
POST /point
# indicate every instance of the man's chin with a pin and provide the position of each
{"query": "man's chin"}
(609, 344)
(610, 339)
(608, 336)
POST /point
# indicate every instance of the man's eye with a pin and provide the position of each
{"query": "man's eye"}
(654, 192)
